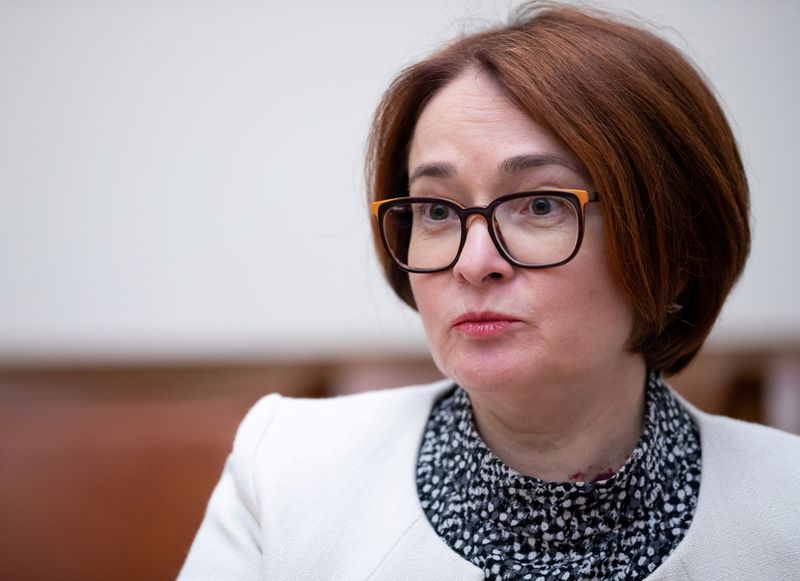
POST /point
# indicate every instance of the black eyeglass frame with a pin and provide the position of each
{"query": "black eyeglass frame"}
(578, 199)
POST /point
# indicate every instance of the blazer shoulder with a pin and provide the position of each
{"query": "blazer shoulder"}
(748, 437)
(747, 508)
(303, 423)
(392, 399)
(751, 451)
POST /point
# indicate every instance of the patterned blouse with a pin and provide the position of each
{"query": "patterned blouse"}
(518, 527)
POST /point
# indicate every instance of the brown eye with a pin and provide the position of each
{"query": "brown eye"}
(438, 212)
(541, 206)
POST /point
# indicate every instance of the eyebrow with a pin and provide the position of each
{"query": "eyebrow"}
(520, 163)
(432, 170)
(509, 165)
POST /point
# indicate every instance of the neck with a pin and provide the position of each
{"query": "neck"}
(578, 430)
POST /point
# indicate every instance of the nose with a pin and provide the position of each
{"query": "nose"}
(480, 260)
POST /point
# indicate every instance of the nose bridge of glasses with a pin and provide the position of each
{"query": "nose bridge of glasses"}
(487, 237)
(471, 214)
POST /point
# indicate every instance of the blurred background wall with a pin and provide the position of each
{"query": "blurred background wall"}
(183, 229)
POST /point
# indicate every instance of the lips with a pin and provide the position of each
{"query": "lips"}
(484, 324)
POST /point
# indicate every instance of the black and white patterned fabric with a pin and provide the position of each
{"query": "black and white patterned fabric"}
(517, 527)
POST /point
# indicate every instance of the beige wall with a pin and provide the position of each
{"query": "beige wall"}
(158, 161)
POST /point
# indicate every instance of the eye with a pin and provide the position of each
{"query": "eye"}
(541, 206)
(437, 212)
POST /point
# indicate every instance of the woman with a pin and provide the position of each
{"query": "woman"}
(563, 202)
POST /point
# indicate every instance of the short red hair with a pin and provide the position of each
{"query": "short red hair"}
(651, 135)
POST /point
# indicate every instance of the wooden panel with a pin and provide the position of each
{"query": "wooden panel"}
(105, 472)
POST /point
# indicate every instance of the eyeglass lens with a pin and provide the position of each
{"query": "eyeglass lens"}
(535, 230)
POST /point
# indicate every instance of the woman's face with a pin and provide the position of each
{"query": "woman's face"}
(490, 325)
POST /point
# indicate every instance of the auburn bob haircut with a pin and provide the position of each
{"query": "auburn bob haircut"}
(648, 130)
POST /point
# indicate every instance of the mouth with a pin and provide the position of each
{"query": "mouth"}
(485, 324)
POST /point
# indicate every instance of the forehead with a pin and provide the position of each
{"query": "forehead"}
(470, 123)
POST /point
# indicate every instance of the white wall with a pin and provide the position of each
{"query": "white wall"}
(158, 162)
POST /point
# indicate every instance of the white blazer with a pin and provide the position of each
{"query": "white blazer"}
(326, 489)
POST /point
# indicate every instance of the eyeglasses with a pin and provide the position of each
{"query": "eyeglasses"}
(538, 229)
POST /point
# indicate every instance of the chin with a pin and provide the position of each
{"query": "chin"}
(485, 372)
(511, 370)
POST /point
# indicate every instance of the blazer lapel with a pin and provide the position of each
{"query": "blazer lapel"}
(420, 554)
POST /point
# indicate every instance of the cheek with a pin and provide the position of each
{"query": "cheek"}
(598, 265)
(605, 311)
(434, 299)
(426, 297)
(586, 303)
